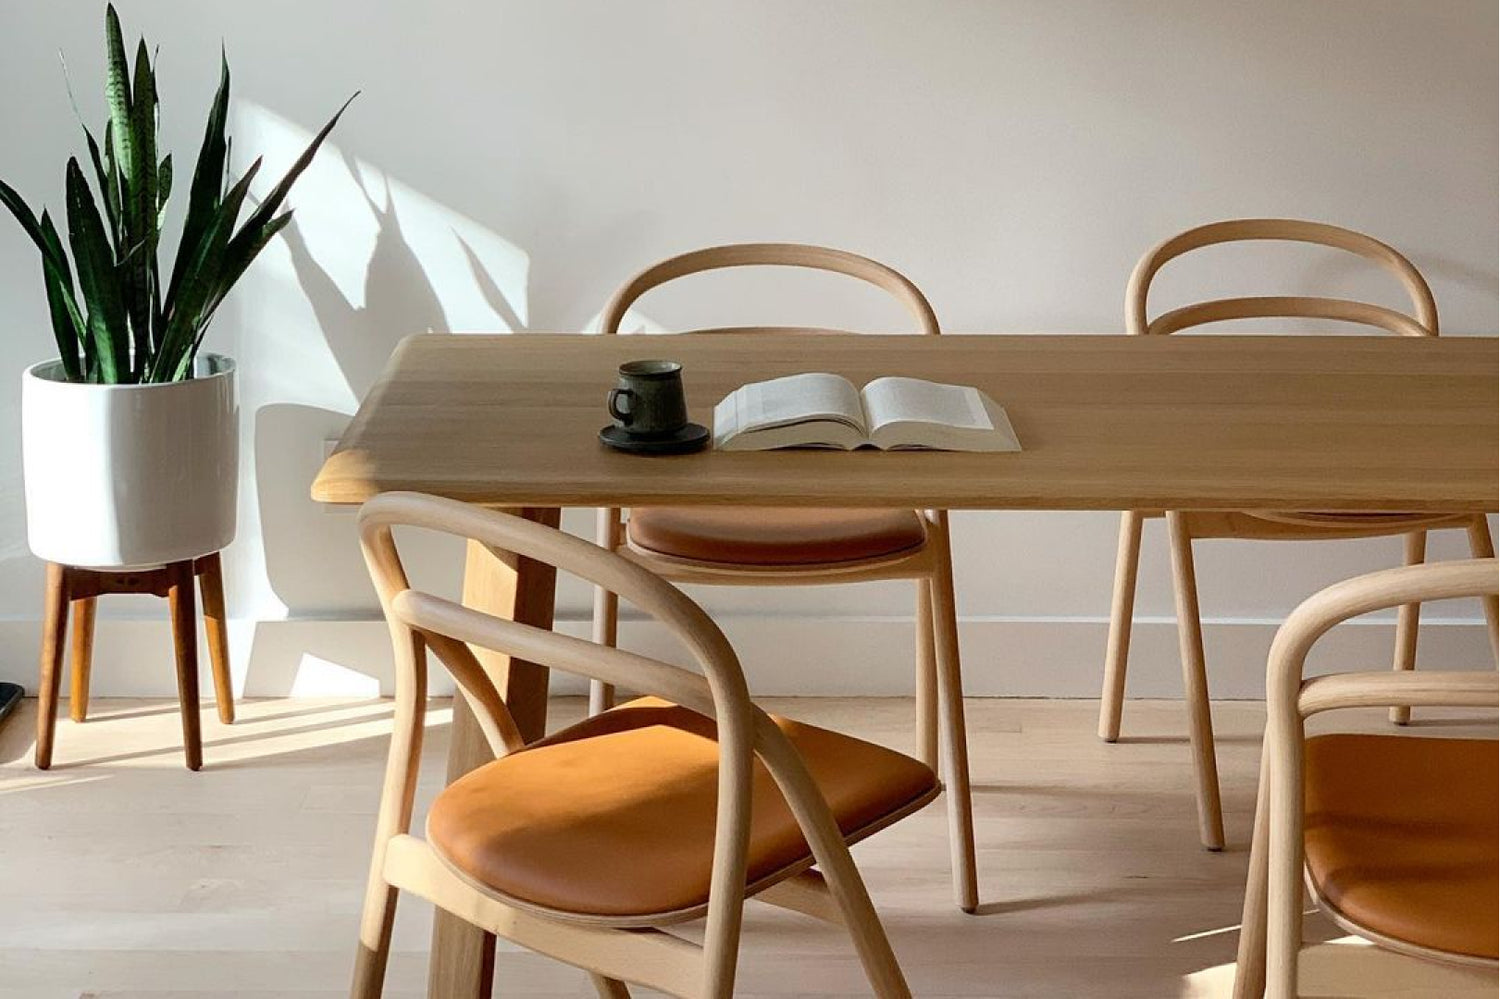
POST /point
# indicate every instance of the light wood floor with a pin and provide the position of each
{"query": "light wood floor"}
(124, 875)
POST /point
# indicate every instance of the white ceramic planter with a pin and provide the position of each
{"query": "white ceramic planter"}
(129, 475)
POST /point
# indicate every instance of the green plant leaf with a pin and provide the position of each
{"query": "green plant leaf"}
(111, 162)
(143, 134)
(55, 268)
(117, 90)
(221, 229)
(108, 187)
(272, 202)
(199, 283)
(68, 326)
(97, 279)
(12, 200)
(141, 208)
(68, 336)
(54, 247)
(163, 185)
(108, 184)
(208, 180)
(237, 259)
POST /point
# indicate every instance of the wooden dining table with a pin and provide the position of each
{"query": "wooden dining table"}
(1111, 422)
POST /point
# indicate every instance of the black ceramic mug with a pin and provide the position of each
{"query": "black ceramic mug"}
(649, 401)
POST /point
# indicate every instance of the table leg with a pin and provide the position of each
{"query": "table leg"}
(463, 957)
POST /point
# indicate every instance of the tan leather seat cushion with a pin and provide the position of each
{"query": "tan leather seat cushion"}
(1401, 836)
(615, 816)
(745, 535)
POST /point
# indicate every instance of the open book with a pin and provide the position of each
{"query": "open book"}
(824, 410)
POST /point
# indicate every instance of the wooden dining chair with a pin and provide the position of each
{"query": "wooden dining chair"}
(1395, 835)
(1184, 527)
(587, 844)
(752, 546)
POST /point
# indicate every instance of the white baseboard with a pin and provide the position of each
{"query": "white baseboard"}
(782, 655)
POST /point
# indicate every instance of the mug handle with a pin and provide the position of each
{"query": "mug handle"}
(615, 410)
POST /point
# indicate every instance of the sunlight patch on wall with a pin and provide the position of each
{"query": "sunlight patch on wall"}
(367, 260)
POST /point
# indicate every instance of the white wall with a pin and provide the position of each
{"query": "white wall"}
(509, 163)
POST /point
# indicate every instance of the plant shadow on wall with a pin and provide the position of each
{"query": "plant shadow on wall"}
(399, 298)
(368, 262)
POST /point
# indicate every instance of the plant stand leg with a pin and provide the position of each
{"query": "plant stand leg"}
(83, 657)
(215, 626)
(54, 639)
(185, 645)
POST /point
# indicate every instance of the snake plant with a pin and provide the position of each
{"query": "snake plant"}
(123, 322)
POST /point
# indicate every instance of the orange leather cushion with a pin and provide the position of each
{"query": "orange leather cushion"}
(746, 535)
(1401, 836)
(615, 816)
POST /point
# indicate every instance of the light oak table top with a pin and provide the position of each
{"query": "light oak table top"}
(1107, 422)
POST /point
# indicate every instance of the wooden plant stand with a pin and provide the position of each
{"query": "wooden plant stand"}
(70, 585)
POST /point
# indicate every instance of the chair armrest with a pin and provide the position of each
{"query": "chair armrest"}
(1398, 689)
(437, 615)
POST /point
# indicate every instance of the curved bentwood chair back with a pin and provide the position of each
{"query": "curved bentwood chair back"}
(819, 258)
(1183, 527)
(1422, 321)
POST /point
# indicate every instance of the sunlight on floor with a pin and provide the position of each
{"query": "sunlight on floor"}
(136, 737)
(1351, 966)
(41, 782)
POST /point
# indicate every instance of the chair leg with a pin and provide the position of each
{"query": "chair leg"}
(185, 645)
(955, 748)
(54, 641)
(397, 794)
(1481, 545)
(927, 700)
(837, 867)
(215, 625)
(606, 632)
(1285, 860)
(1407, 618)
(1250, 958)
(606, 609)
(1121, 614)
(1195, 684)
(882, 970)
(609, 988)
(83, 657)
(369, 970)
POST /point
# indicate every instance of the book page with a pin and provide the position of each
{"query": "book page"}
(781, 402)
(912, 400)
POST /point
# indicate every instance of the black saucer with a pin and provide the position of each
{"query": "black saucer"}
(692, 437)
